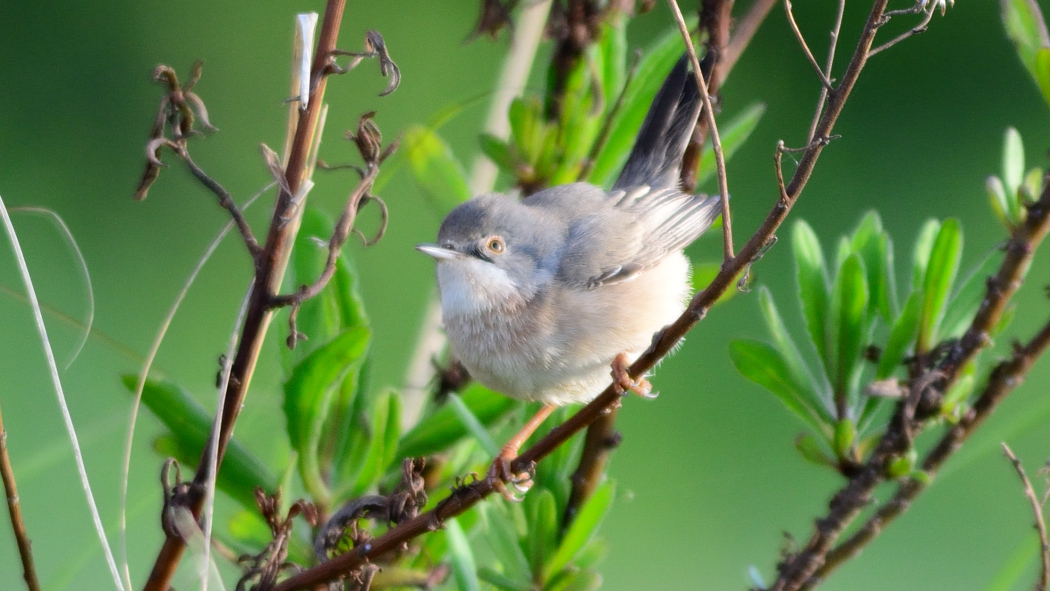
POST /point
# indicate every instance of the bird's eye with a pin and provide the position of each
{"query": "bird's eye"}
(495, 245)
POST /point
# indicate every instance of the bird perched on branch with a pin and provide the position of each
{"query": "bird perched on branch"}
(539, 297)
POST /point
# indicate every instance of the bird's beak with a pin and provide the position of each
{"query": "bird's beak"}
(439, 253)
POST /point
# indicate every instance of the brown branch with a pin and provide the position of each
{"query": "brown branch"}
(709, 115)
(1040, 523)
(919, 28)
(270, 265)
(827, 68)
(1004, 378)
(25, 549)
(225, 200)
(808, 567)
(805, 48)
(663, 343)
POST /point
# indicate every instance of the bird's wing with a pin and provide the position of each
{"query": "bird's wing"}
(631, 231)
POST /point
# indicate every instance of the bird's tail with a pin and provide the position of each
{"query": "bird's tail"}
(656, 158)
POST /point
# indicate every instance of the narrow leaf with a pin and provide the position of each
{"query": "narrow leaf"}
(901, 338)
(968, 297)
(443, 428)
(462, 557)
(848, 323)
(497, 151)
(1026, 29)
(190, 426)
(503, 538)
(543, 528)
(308, 396)
(921, 252)
(473, 425)
(435, 169)
(873, 245)
(1013, 161)
(763, 365)
(810, 391)
(812, 284)
(583, 528)
(937, 285)
(385, 416)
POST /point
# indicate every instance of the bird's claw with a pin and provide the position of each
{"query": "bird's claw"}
(500, 474)
(623, 383)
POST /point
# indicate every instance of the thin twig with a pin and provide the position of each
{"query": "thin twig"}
(225, 201)
(610, 116)
(467, 496)
(805, 48)
(716, 142)
(25, 549)
(270, 266)
(921, 27)
(828, 65)
(1040, 523)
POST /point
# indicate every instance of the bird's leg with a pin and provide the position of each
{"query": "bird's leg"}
(623, 383)
(500, 473)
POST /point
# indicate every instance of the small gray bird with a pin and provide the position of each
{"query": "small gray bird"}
(540, 296)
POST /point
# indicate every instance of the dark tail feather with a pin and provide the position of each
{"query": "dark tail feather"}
(656, 158)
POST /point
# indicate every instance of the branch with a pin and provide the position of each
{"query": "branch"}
(808, 567)
(745, 30)
(270, 266)
(709, 116)
(1040, 523)
(664, 342)
(1004, 378)
(25, 549)
(805, 48)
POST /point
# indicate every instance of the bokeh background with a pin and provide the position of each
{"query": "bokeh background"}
(709, 483)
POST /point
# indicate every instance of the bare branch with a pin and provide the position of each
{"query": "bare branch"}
(827, 69)
(1040, 523)
(716, 142)
(805, 48)
(14, 509)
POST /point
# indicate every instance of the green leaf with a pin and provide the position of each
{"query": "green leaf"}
(462, 557)
(961, 389)
(435, 169)
(997, 199)
(902, 335)
(848, 324)
(582, 529)
(443, 428)
(903, 465)
(498, 152)
(473, 425)
(873, 245)
(809, 390)
(763, 365)
(575, 580)
(543, 528)
(651, 72)
(1042, 72)
(384, 428)
(812, 284)
(613, 50)
(921, 252)
(1026, 29)
(733, 135)
(190, 426)
(308, 396)
(1013, 161)
(504, 582)
(702, 276)
(503, 539)
(937, 285)
(845, 437)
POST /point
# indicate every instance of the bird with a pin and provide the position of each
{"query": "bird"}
(541, 296)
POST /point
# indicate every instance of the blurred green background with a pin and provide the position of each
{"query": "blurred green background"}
(708, 478)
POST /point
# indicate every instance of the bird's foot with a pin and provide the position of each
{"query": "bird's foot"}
(623, 382)
(500, 475)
